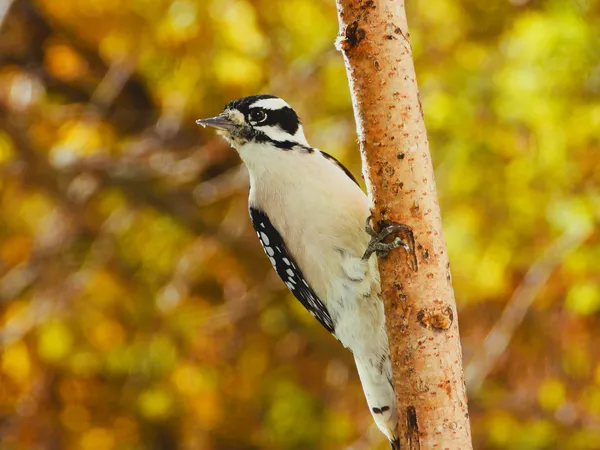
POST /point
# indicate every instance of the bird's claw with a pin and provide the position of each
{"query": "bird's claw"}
(377, 244)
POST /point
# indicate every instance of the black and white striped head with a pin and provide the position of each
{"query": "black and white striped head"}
(259, 119)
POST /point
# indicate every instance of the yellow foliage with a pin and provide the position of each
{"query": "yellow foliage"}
(116, 45)
(237, 23)
(54, 341)
(308, 25)
(16, 363)
(85, 363)
(232, 69)
(551, 394)
(107, 334)
(126, 429)
(102, 288)
(207, 410)
(180, 24)
(98, 439)
(75, 417)
(63, 62)
(190, 380)
(502, 427)
(77, 139)
(6, 150)
(537, 434)
(583, 298)
(15, 249)
(155, 404)
(143, 314)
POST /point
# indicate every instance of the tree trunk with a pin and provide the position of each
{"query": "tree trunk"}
(420, 309)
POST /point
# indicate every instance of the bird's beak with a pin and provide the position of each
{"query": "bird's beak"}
(220, 122)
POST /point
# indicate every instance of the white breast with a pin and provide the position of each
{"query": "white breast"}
(316, 208)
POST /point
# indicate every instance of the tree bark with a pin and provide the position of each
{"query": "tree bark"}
(417, 289)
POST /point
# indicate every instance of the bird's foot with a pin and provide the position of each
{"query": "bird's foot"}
(382, 248)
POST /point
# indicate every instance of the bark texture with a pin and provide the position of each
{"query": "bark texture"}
(421, 312)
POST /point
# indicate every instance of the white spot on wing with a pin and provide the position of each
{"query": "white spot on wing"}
(285, 260)
(264, 238)
(269, 251)
(290, 272)
(290, 285)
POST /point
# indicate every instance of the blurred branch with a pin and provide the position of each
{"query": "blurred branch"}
(16, 280)
(37, 311)
(221, 186)
(232, 312)
(4, 8)
(113, 82)
(514, 313)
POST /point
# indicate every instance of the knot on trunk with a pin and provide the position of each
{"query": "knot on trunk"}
(351, 38)
(437, 319)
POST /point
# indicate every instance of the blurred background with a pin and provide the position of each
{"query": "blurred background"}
(137, 308)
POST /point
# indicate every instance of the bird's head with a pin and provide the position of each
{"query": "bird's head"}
(259, 119)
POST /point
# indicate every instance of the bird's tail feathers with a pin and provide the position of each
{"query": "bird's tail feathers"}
(380, 398)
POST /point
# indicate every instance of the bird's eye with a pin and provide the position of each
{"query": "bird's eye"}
(258, 115)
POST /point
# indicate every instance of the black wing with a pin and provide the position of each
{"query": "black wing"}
(287, 269)
(340, 165)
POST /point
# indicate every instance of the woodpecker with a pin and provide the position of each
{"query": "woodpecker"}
(309, 214)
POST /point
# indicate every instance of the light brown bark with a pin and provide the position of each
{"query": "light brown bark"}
(420, 309)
